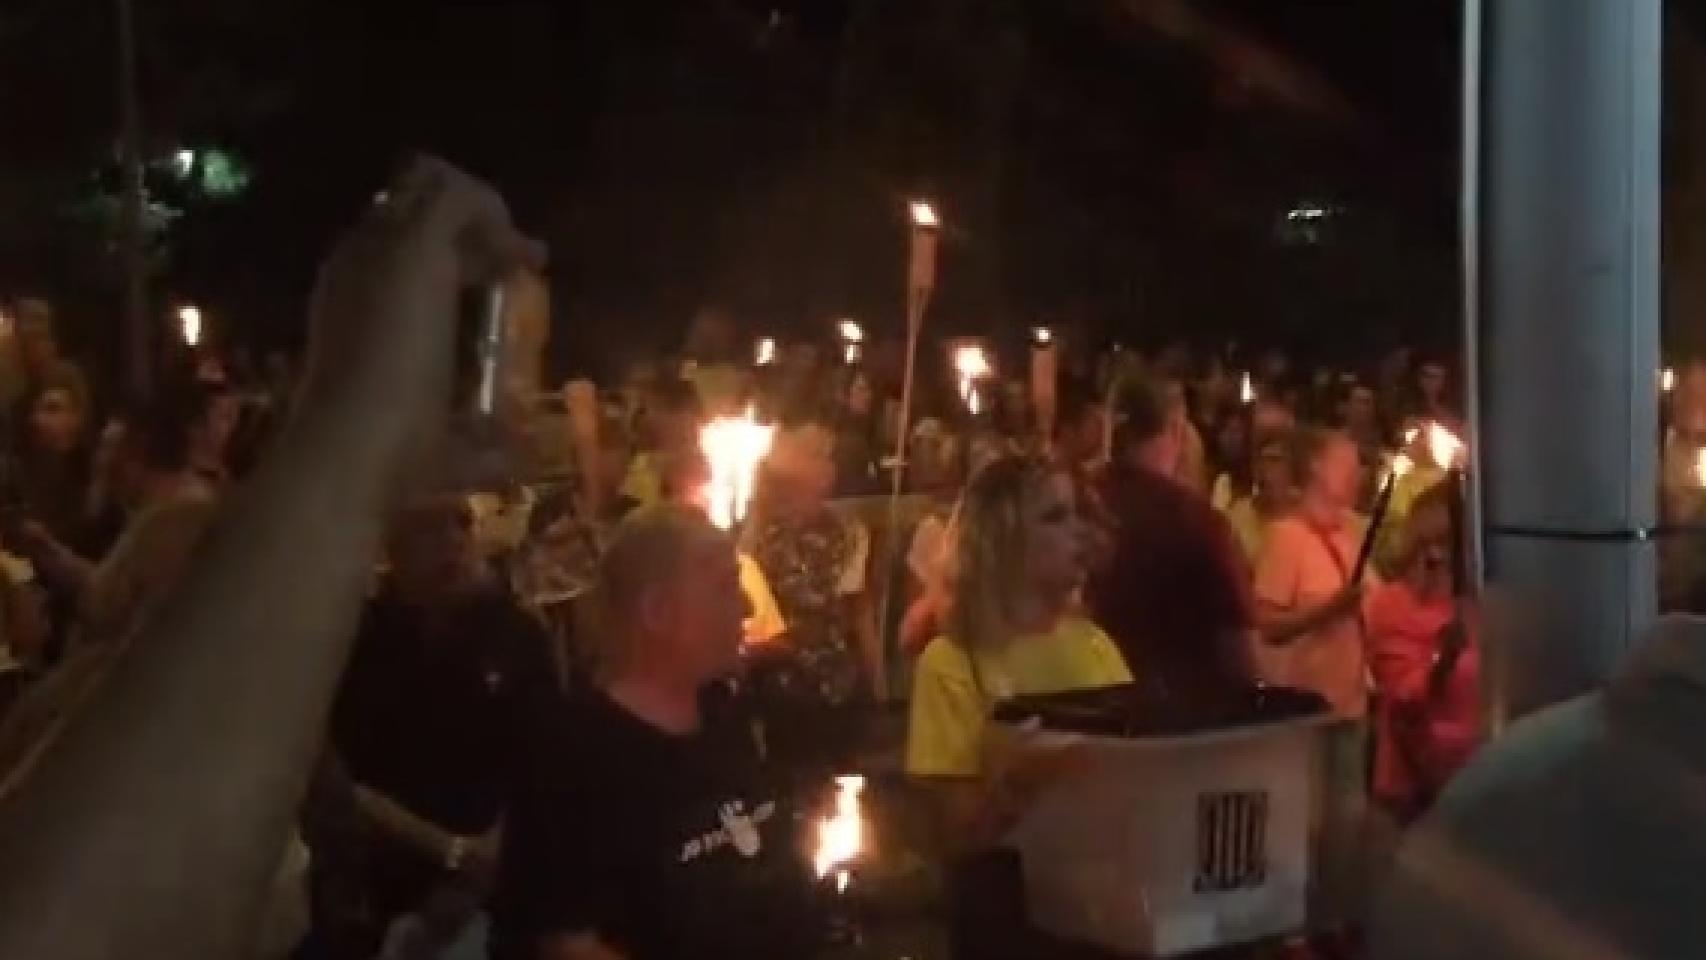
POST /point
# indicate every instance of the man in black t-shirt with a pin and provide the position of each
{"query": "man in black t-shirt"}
(650, 831)
(448, 681)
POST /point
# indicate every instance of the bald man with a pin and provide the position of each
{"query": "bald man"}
(652, 830)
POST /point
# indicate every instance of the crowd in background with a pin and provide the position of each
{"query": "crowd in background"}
(1185, 521)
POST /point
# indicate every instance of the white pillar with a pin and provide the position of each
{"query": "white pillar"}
(1567, 256)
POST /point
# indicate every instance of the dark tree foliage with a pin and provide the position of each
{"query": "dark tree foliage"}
(1126, 165)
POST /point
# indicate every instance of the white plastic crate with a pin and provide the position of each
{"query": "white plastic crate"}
(1174, 844)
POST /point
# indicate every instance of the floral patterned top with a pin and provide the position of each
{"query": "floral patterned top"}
(814, 564)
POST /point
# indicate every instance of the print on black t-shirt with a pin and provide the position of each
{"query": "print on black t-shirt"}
(664, 846)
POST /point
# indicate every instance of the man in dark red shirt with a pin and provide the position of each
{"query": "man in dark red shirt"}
(1171, 587)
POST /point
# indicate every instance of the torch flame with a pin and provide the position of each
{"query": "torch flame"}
(924, 215)
(766, 351)
(1044, 336)
(1246, 389)
(851, 331)
(733, 446)
(841, 838)
(971, 362)
(1444, 446)
(189, 325)
(1401, 465)
(1667, 379)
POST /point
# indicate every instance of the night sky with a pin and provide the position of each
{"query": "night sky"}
(1100, 163)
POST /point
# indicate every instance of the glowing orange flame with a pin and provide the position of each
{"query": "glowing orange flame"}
(841, 838)
(1444, 446)
(733, 446)
(972, 364)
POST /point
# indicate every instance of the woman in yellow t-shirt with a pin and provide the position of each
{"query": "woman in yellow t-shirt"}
(1019, 551)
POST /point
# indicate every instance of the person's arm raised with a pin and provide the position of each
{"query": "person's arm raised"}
(153, 825)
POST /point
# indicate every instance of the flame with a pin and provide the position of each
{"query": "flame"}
(971, 362)
(189, 325)
(851, 331)
(1401, 465)
(766, 351)
(1246, 389)
(733, 446)
(850, 353)
(841, 838)
(924, 215)
(1667, 379)
(1444, 446)
(1044, 336)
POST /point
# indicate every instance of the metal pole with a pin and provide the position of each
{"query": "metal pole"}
(138, 339)
(1565, 275)
(1469, 279)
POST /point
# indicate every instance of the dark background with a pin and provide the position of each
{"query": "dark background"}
(1126, 165)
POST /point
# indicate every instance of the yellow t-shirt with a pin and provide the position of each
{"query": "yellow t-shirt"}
(951, 706)
(643, 482)
(764, 621)
(1249, 527)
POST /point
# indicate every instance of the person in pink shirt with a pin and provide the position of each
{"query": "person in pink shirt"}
(1426, 665)
(1308, 609)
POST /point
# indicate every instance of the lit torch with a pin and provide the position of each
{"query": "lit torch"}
(1396, 469)
(1667, 379)
(971, 363)
(1045, 373)
(920, 283)
(1246, 389)
(852, 341)
(765, 353)
(1443, 445)
(189, 325)
(733, 446)
(841, 838)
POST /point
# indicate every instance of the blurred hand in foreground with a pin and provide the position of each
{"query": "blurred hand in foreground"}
(383, 317)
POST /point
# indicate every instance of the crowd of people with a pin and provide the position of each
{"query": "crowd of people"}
(535, 747)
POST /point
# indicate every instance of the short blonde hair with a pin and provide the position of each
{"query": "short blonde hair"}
(652, 547)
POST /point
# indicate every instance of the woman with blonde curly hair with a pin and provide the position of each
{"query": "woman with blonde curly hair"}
(1425, 662)
(1013, 630)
